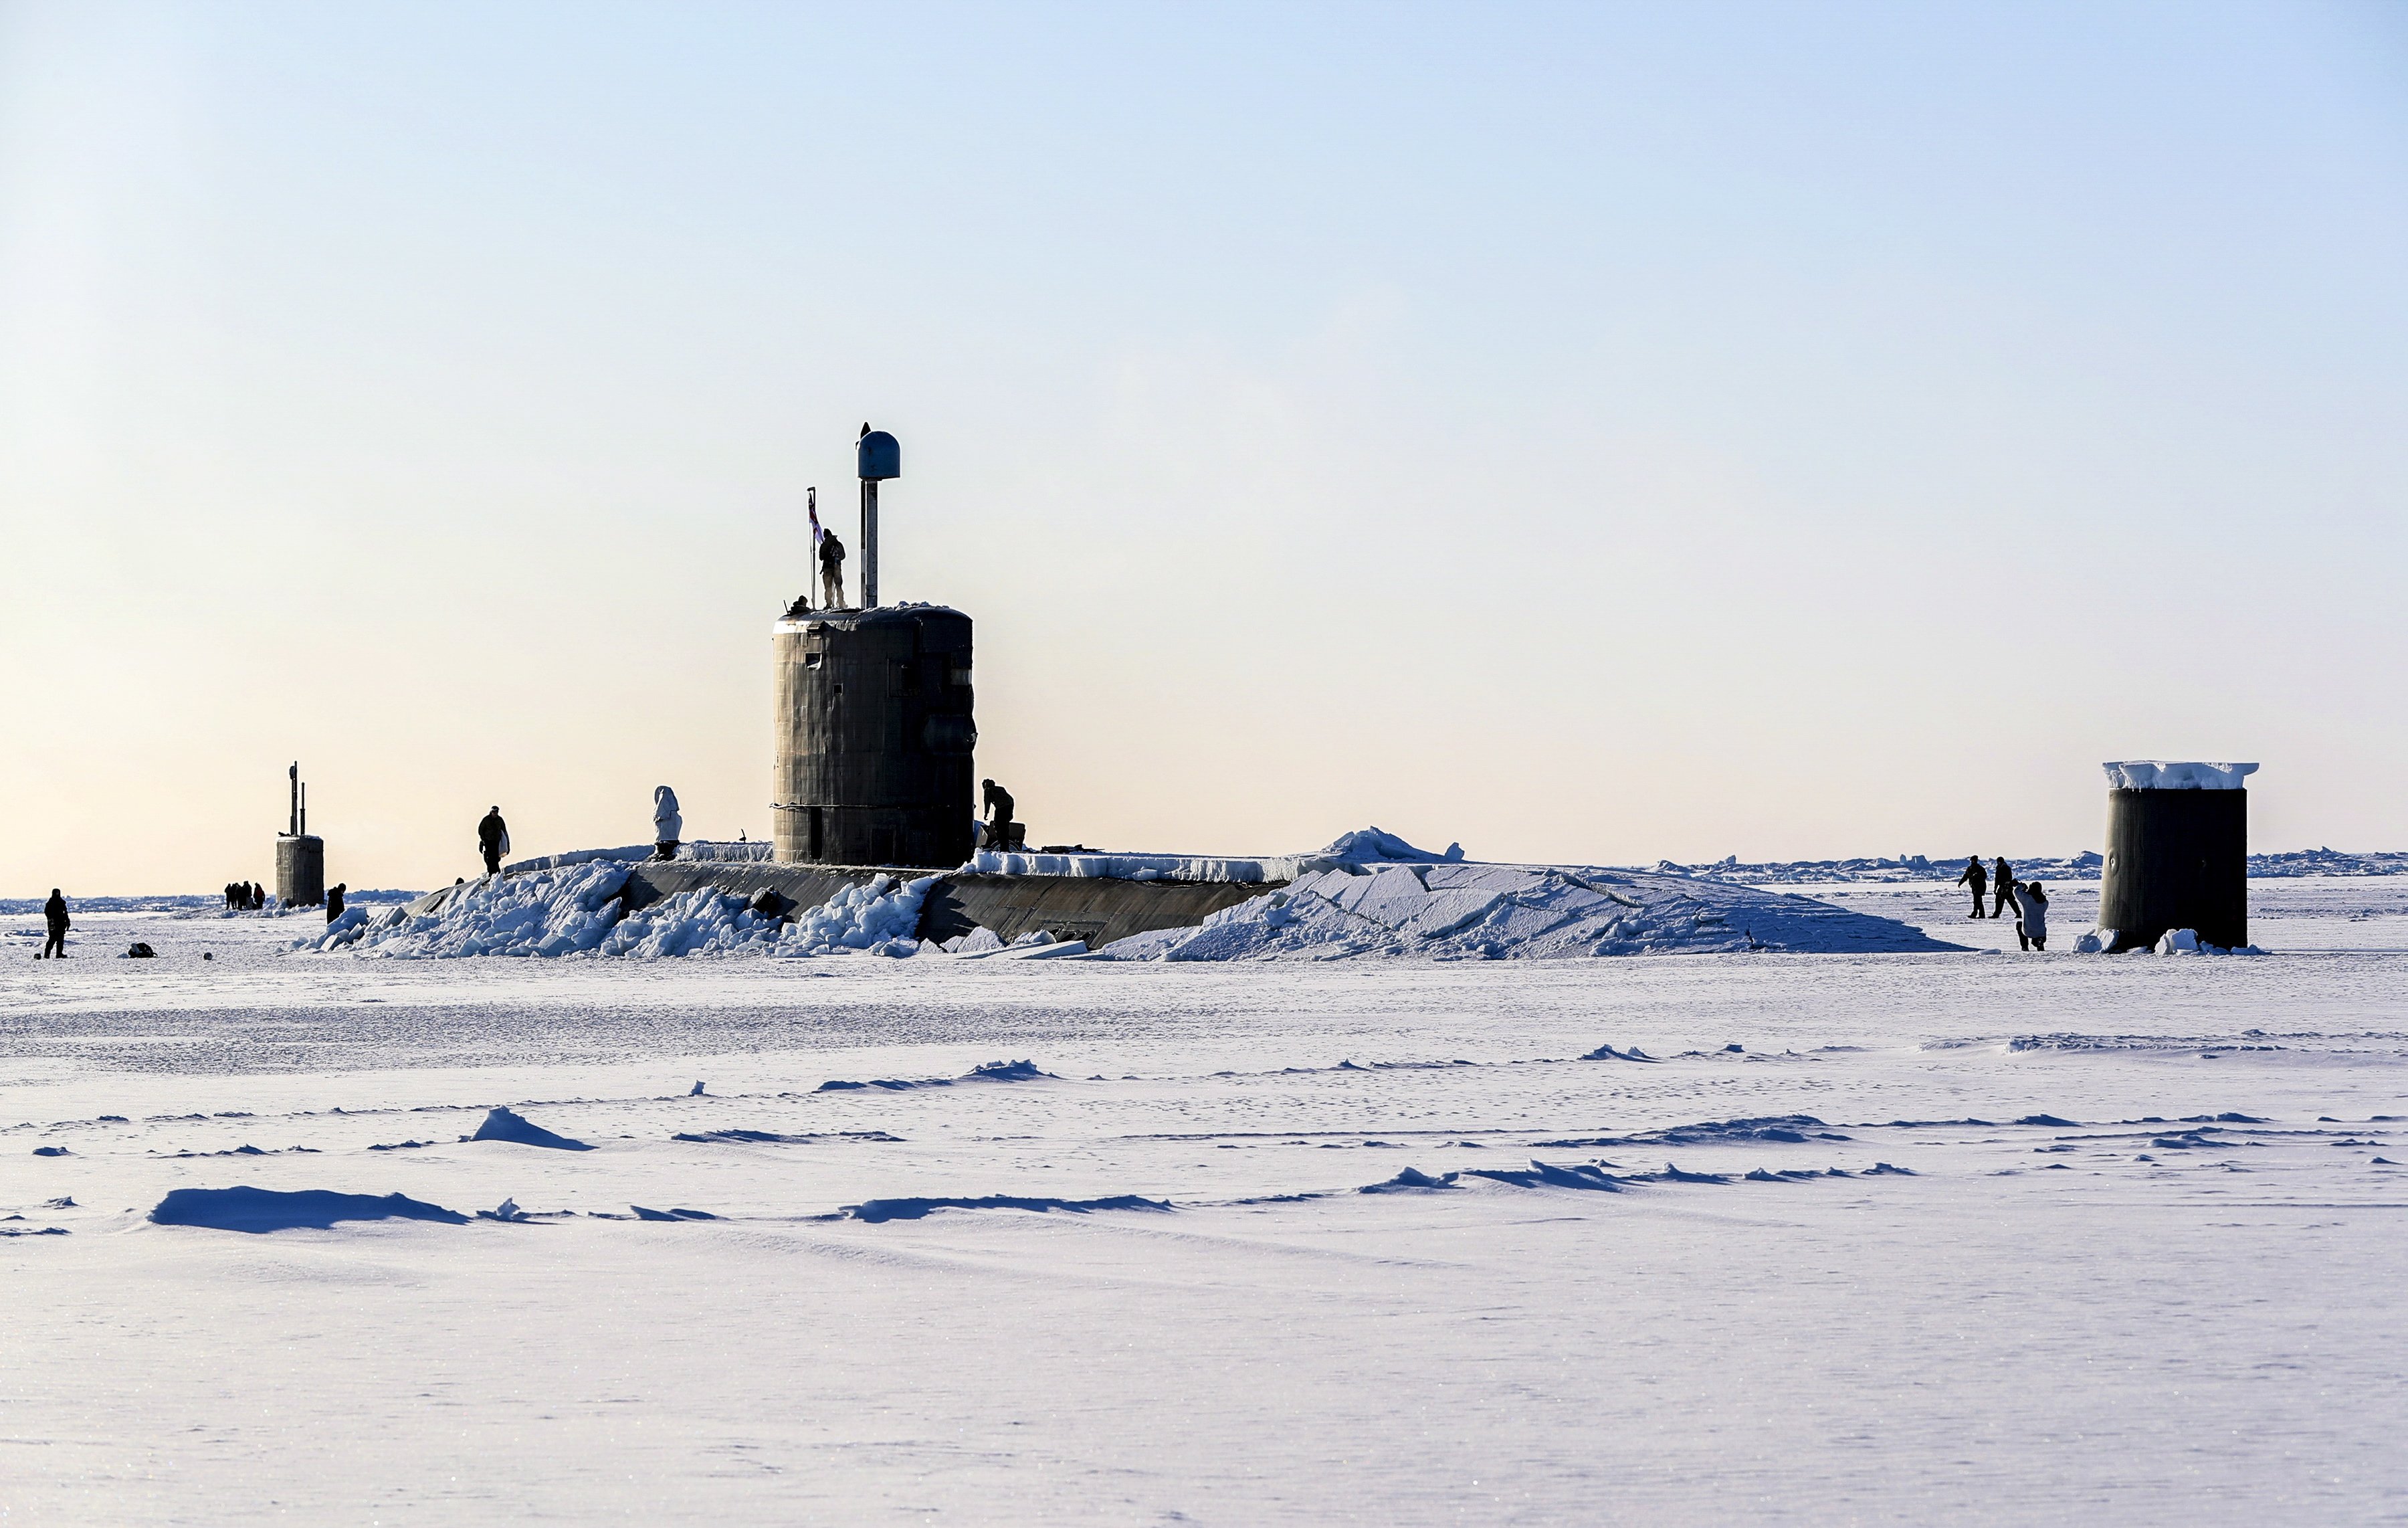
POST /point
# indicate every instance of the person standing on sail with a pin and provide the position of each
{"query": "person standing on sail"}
(831, 570)
(830, 552)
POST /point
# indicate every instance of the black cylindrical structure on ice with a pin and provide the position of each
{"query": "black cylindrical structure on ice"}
(300, 870)
(874, 733)
(2177, 853)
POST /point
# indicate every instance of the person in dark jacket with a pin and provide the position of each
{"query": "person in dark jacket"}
(1979, 879)
(2002, 882)
(831, 571)
(493, 840)
(335, 901)
(998, 802)
(54, 915)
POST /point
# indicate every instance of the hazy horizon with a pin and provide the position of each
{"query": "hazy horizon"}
(1587, 433)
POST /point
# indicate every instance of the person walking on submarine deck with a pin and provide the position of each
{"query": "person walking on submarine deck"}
(1000, 831)
(493, 840)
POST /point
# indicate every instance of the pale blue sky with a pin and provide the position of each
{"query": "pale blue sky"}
(1586, 432)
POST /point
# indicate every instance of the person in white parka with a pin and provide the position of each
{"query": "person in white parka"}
(667, 824)
(2032, 927)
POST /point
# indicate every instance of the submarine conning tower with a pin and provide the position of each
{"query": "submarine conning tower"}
(300, 855)
(875, 735)
(874, 722)
(2177, 853)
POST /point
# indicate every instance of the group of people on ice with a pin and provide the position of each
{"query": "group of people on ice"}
(245, 897)
(2032, 902)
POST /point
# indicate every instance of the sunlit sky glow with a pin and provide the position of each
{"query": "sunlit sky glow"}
(1594, 432)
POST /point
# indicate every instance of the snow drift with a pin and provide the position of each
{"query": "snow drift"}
(508, 1124)
(262, 1210)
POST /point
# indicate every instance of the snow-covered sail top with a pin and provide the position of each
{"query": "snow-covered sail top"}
(2158, 775)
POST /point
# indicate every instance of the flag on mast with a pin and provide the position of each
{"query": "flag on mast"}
(811, 498)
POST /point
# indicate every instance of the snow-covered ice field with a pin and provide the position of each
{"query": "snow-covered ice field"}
(2145, 1262)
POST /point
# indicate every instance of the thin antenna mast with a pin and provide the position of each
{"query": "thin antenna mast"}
(877, 458)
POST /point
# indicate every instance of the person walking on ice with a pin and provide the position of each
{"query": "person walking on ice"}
(2032, 927)
(493, 840)
(54, 917)
(2002, 882)
(1979, 879)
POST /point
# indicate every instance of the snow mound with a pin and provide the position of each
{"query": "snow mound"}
(878, 1210)
(1408, 1181)
(258, 1210)
(509, 1125)
(1785, 1129)
(1368, 845)
(580, 909)
(1449, 910)
(1607, 1053)
(984, 1071)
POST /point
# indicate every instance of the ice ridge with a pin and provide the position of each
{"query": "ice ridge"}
(581, 910)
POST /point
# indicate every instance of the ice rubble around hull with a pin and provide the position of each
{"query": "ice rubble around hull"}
(1449, 910)
(1368, 894)
(2172, 942)
(578, 909)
